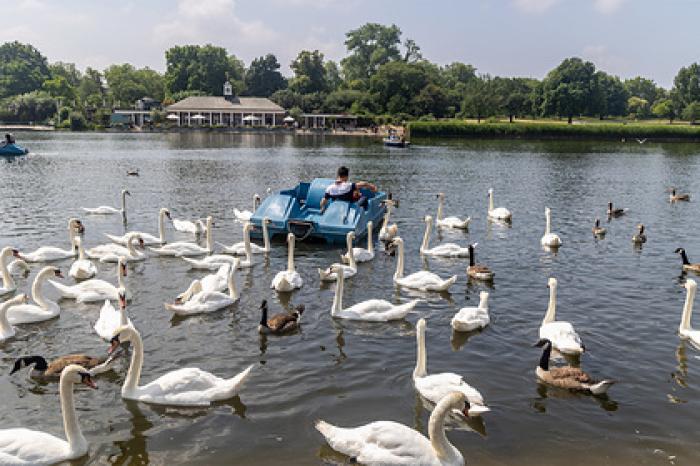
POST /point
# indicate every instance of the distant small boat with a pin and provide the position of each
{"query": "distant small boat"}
(13, 149)
(395, 141)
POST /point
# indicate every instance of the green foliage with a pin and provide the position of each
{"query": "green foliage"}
(644, 89)
(59, 87)
(128, 84)
(91, 86)
(202, 68)
(664, 109)
(68, 71)
(77, 121)
(369, 47)
(342, 100)
(638, 107)
(609, 97)
(481, 98)
(23, 69)
(396, 85)
(686, 86)
(286, 98)
(691, 112)
(33, 106)
(263, 78)
(568, 89)
(309, 73)
(185, 94)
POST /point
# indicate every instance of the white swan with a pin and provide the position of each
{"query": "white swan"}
(423, 280)
(500, 213)
(8, 282)
(6, 328)
(44, 309)
(147, 238)
(549, 239)
(183, 249)
(19, 446)
(187, 226)
(107, 210)
(441, 250)
(387, 232)
(183, 387)
(562, 334)
(239, 249)
(18, 268)
(50, 253)
(686, 330)
(362, 254)
(110, 319)
(245, 215)
(434, 387)
(288, 280)
(472, 318)
(350, 270)
(95, 289)
(449, 222)
(207, 301)
(81, 268)
(213, 282)
(212, 262)
(371, 310)
(388, 442)
(113, 252)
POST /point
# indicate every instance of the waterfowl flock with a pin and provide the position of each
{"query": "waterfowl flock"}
(448, 395)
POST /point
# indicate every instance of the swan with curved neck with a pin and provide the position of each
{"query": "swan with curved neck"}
(6, 328)
(95, 289)
(562, 334)
(372, 310)
(686, 330)
(108, 210)
(50, 253)
(245, 215)
(113, 252)
(350, 270)
(442, 250)
(82, 268)
(213, 282)
(147, 238)
(549, 239)
(8, 282)
(499, 213)
(44, 309)
(185, 249)
(208, 301)
(239, 249)
(288, 280)
(423, 280)
(473, 318)
(111, 319)
(387, 232)
(182, 387)
(449, 222)
(362, 254)
(388, 442)
(25, 446)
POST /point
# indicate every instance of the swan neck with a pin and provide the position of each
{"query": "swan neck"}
(688, 309)
(266, 238)
(7, 281)
(548, 222)
(399, 262)
(484, 302)
(210, 244)
(161, 226)
(550, 315)
(436, 430)
(421, 356)
(130, 246)
(370, 242)
(290, 255)
(490, 201)
(232, 290)
(123, 319)
(134, 374)
(120, 276)
(5, 326)
(426, 237)
(74, 435)
(351, 252)
(37, 288)
(81, 251)
(338, 297)
(439, 211)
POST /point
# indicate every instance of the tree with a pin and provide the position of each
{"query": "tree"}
(686, 86)
(691, 112)
(333, 78)
(33, 106)
(309, 73)
(568, 88)
(643, 88)
(91, 86)
(22, 69)
(369, 47)
(128, 84)
(664, 109)
(396, 83)
(480, 99)
(342, 100)
(413, 53)
(638, 107)
(59, 87)
(609, 96)
(432, 100)
(286, 98)
(515, 95)
(67, 71)
(263, 77)
(202, 68)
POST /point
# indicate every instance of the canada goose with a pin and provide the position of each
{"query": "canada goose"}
(597, 229)
(570, 378)
(279, 323)
(640, 237)
(51, 371)
(612, 212)
(132, 172)
(687, 265)
(477, 271)
(673, 197)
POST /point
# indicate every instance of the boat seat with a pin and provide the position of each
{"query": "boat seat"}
(316, 192)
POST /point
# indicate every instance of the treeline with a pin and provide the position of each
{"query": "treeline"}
(382, 77)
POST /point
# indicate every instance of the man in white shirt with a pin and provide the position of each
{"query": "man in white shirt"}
(344, 190)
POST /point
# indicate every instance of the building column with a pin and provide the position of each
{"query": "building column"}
(189, 119)
(273, 119)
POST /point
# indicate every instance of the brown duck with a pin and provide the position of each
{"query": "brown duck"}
(678, 197)
(567, 377)
(279, 323)
(51, 371)
(687, 265)
(477, 271)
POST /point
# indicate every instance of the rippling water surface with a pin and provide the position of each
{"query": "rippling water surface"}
(625, 302)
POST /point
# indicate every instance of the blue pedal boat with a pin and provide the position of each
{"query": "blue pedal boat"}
(13, 149)
(297, 210)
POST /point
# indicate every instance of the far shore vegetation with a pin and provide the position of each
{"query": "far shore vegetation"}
(383, 78)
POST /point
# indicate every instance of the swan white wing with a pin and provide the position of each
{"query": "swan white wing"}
(31, 313)
(184, 226)
(210, 262)
(181, 249)
(563, 337)
(109, 321)
(104, 249)
(447, 250)
(95, 289)
(202, 302)
(426, 281)
(101, 210)
(329, 276)
(47, 254)
(242, 215)
(550, 239)
(435, 387)
(82, 269)
(31, 447)
(500, 213)
(361, 255)
(146, 237)
(470, 318)
(287, 281)
(454, 222)
(376, 310)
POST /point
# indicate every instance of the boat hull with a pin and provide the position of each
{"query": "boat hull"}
(13, 149)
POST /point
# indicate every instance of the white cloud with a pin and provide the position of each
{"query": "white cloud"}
(608, 6)
(607, 60)
(535, 6)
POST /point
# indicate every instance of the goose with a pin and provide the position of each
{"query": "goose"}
(278, 324)
(132, 172)
(7, 331)
(114, 252)
(423, 280)
(387, 232)
(686, 263)
(362, 254)
(107, 210)
(183, 249)
(95, 289)
(436, 386)
(207, 301)
(110, 319)
(570, 378)
(388, 442)
(686, 330)
(245, 215)
(213, 282)
(8, 282)
(472, 318)
(500, 213)
(478, 271)
(50, 253)
(148, 239)
(442, 250)
(25, 446)
(640, 237)
(213, 262)
(673, 197)
(51, 371)
(187, 226)
(562, 334)
(371, 310)
(44, 309)
(183, 387)
(598, 230)
(288, 280)
(449, 222)
(350, 270)
(549, 239)
(613, 212)
(82, 268)
(239, 249)
(18, 268)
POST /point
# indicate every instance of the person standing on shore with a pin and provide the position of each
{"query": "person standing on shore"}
(344, 190)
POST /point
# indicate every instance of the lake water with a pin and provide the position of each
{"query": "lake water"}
(625, 302)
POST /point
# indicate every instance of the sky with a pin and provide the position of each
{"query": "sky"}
(650, 38)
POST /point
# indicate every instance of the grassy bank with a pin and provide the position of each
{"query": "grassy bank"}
(553, 130)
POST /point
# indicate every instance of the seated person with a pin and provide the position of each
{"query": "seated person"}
(344, 190)
(8, 140)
